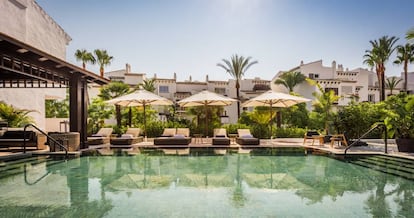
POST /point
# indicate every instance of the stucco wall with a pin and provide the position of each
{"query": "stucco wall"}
(31, 99)
(26, 21)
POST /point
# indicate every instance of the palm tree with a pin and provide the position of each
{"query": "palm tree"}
(85, 57)
(410, 34)
(236, 67)
(103, 59)
(378, 56)
(148, 84)
(392, 83)
(113, 90)
(405, 56)
(15, 117)
(324, 101)
(290, 79)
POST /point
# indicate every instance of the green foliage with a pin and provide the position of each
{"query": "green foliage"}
(296, 115)
(400, 117)
(357, 118)
(84, 56)
(155, 128)
(232, 128)
(323, 104)
(378, 56)
(59, 109)
(290, 132)
(213, 118)
(237, 67)
(290, 79)
(98, 111)
(103, 59)
(15, 117)
(113, 90)
(391, 83)
(259, 121)
(316, 121)
(148, 84)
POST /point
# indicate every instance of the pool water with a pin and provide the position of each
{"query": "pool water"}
(205, 186)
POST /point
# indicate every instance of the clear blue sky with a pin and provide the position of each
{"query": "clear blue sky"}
(190, 37)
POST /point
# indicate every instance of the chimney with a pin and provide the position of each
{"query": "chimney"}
(340, 67)
(191, 79)
(155, 76)
(175, 76)
(206, 78)
(333, 69)
(127, 68)
(301, 62)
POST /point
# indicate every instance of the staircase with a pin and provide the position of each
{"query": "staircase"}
(14, 167)
(401, 167)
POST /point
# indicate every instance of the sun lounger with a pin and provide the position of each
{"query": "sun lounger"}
(220, 137)
(246, 138)
(131, 136)
(101, 137)
(174, 137)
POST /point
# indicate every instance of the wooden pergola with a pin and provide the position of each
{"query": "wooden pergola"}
(23, 66)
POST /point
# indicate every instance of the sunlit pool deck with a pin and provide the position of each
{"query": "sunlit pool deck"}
(375, 146)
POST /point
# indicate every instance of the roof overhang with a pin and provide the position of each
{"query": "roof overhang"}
(22, 65)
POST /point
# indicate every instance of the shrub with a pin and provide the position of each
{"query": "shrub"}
(154, 129)
(290, 132)
(232, 128)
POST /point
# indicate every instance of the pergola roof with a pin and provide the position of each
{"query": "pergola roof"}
(23, 66)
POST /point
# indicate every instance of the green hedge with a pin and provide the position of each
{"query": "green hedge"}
(291, 132)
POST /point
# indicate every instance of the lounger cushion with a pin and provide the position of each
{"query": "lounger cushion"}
(172, 141)
(221, 141)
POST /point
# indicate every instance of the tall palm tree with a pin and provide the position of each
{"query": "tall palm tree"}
(103, 59)
(324, 101)
(378, 56)
(236, 67)
(148, 84)
(290, 79)
(113, 90)
(410, 34)
(84, 56)
(391, 83)
(405, 55)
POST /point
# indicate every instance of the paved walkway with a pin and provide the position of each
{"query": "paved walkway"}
(375, 146)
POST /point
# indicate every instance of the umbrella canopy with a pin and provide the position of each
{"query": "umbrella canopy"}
(140, 98)
(274, 99)
(206, 98)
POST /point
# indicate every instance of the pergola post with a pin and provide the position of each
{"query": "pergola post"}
(77, 108)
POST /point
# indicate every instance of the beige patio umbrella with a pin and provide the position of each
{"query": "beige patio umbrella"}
(206, 98)
(140, 98)
(274, 99)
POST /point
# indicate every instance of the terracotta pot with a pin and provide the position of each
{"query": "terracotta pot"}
(405, 145)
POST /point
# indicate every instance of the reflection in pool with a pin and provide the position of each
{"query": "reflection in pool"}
(206, 186)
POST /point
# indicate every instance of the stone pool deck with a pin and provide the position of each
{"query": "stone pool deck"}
(375, 146)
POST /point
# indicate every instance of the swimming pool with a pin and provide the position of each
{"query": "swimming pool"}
(205, 186)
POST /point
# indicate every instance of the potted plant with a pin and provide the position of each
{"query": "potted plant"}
(400, 121)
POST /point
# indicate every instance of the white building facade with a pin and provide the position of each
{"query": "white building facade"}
(176, 90)
(360, 84)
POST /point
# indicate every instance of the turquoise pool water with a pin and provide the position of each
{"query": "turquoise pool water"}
(206, 186)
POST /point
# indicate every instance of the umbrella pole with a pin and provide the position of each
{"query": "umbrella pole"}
(130, 116)
(145, 123)
(271, 120)
(206, 129)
